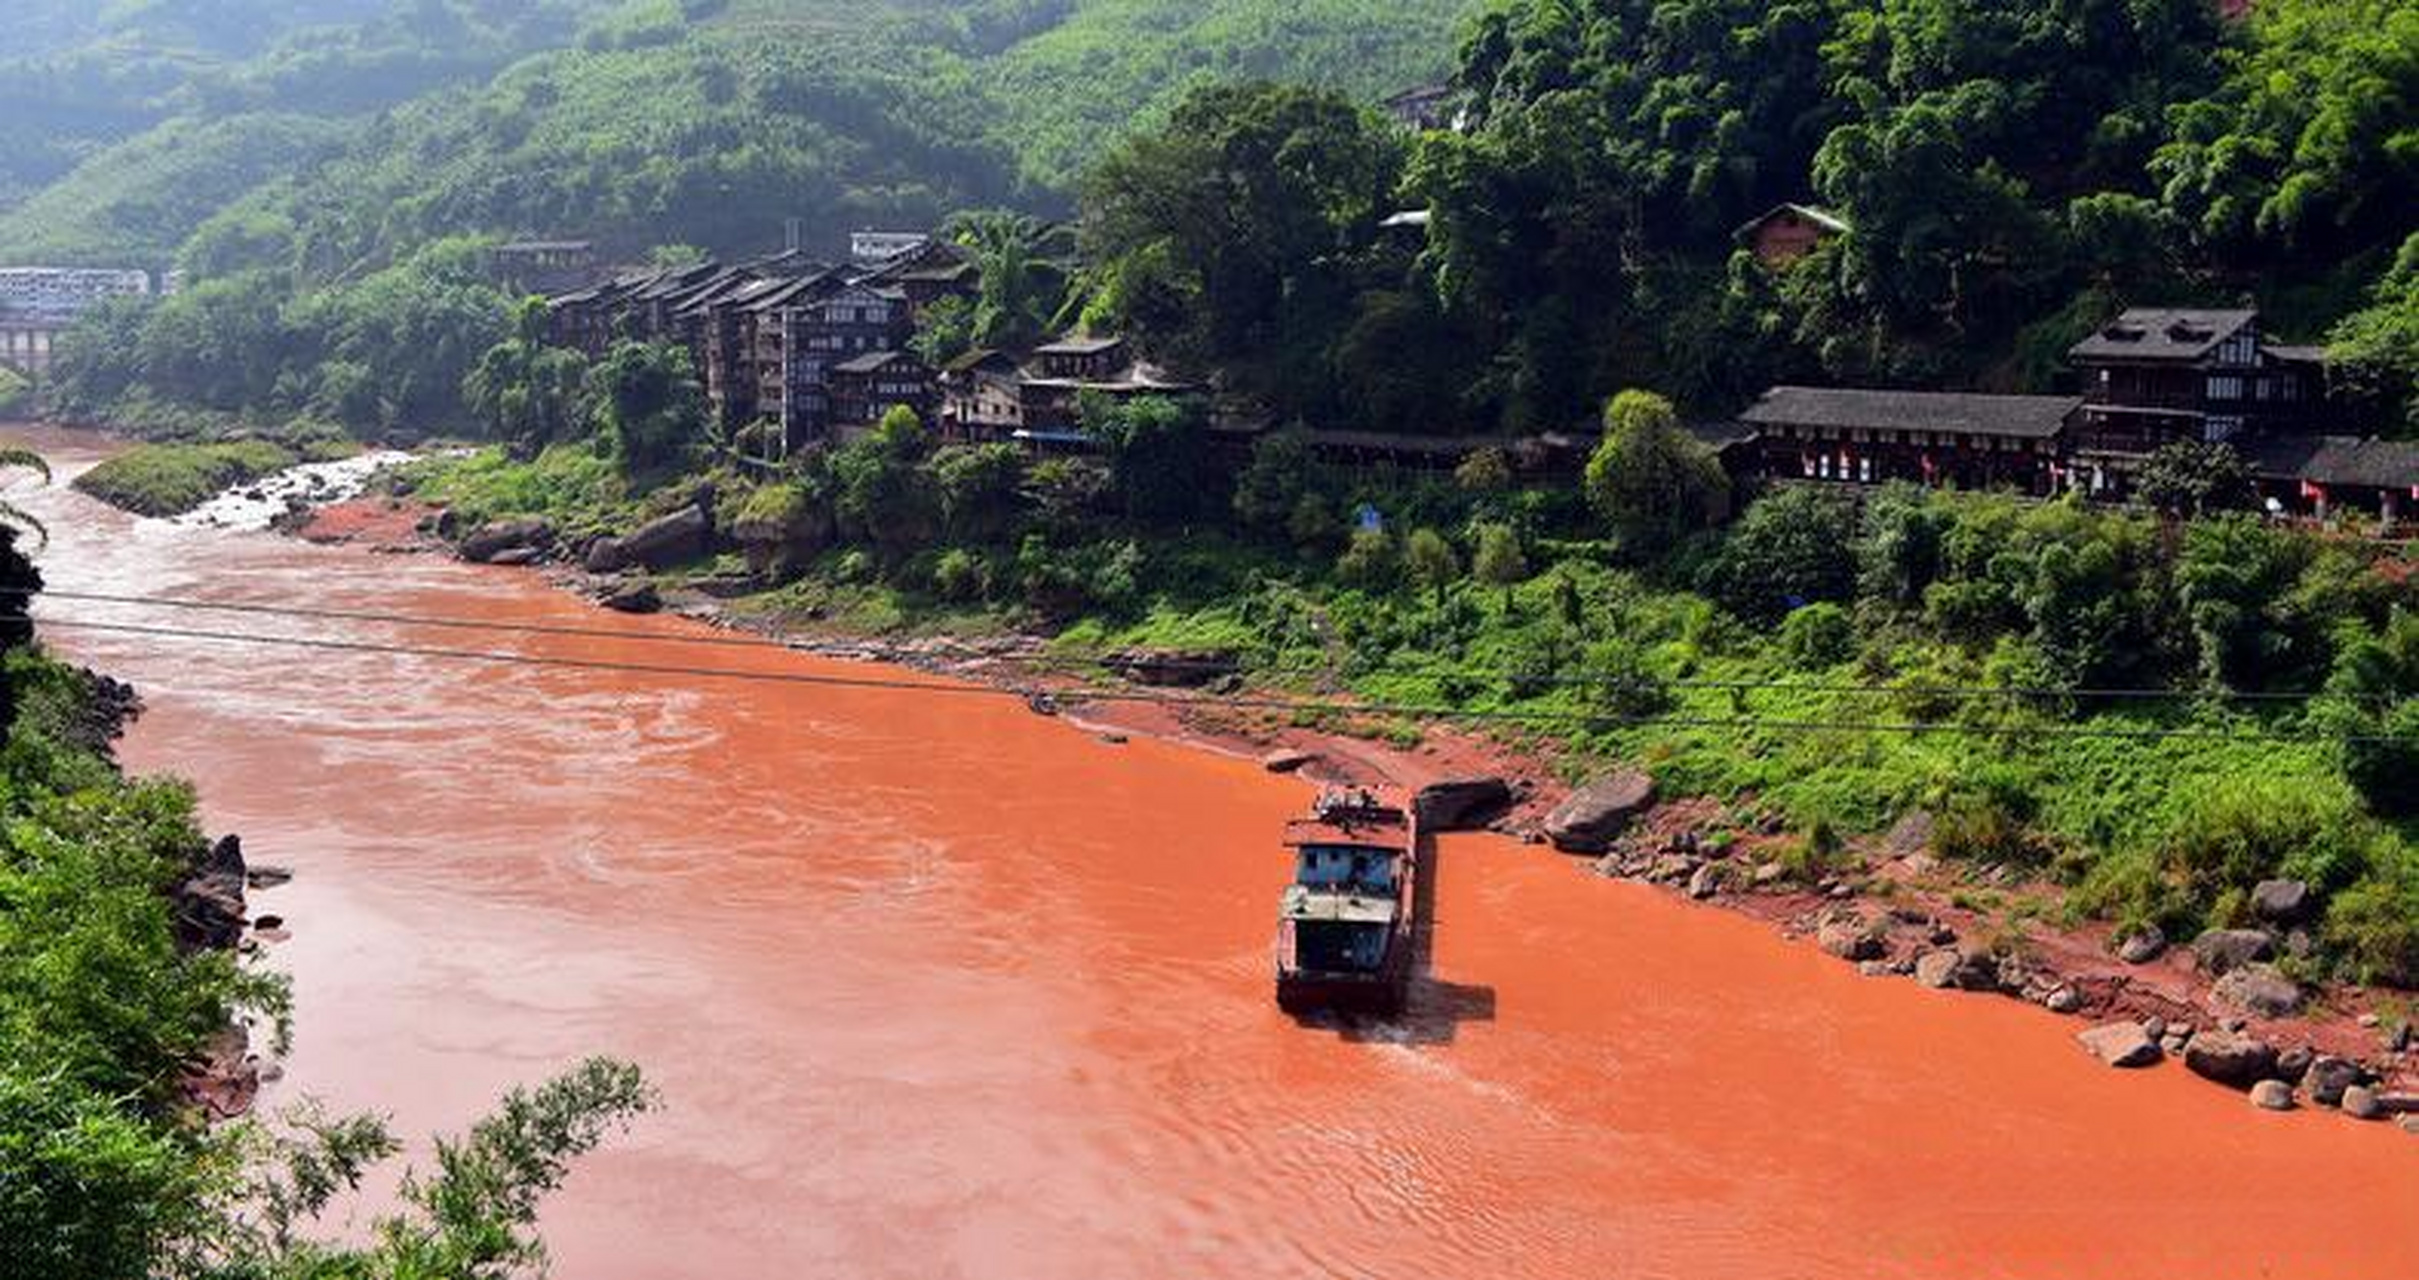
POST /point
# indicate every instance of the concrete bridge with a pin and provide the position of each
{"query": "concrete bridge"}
(26, 344)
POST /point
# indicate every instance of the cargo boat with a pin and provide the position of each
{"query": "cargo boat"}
(1346, 924)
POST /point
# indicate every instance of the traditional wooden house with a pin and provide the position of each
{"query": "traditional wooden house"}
(928, 275)
(2154, 376)
(866, 387)
(1426, 108)
(1788, 232)
(722, 334)
(1871, 437)
(981, 397)
(1066, 372)
(833, 320)
(2337, 478)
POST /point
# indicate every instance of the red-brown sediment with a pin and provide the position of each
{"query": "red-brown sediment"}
(937, 986)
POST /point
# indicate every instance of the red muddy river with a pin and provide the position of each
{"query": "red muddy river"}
(934, 987)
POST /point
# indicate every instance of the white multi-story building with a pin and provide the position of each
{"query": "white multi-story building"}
(63, 293)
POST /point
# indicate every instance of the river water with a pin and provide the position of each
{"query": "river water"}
(935, 987)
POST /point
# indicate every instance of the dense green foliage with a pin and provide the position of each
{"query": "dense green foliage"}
(2009, 170)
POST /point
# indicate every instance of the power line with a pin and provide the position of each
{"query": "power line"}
(1082, 694)
(1067, 662)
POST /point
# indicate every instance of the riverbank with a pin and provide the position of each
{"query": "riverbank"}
(937, 983)
(1886, 903)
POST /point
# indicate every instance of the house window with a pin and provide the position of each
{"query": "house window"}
(1864, 470)
(2218, 429)
(2225, 386)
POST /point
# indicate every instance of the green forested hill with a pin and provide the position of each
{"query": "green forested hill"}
(640, 120)
(1112, 64)
(129, 117)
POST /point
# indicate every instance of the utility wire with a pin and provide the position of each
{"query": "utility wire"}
(1110, 695)
(1073, 662)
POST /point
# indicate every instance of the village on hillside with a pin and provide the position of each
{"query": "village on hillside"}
(819, 351)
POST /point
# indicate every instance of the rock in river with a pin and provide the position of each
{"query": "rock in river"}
(2360, 1103)
(2272, 1095)
(2121, 1044)
(675, 539)
(1287, 760)
(1597, 813)
(2230, 1058)
(634, 597)
(2330, 1078)
(2260, 990)
(1459, 804)
(500, 538)
(1849, 938)
(2222, 951)
(1963, 970)
(209, 905)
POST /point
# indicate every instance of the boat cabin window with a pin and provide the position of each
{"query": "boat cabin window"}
(1336, 947)
(1321, 865)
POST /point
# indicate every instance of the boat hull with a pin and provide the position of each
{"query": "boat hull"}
(1379, 994)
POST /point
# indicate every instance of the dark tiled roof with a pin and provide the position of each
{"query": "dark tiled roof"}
(2296, 354)
(2024, 417)
(2163, 333)
(2342, 460)
(1079, 346)
(870, 362)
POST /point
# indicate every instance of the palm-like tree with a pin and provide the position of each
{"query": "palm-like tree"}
(12, 514)
(1026, 268)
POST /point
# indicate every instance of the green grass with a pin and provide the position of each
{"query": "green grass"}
(171, 479)
(15, 392)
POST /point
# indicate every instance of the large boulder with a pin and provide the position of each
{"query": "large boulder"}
(1597, 813)
(2121, 1044)
(207, 909)
(1459, 804)
(634, 597)
(2143, 945)
(2230, 1058)
(2222, 951)
(499, 538)
(1174, 668)
(2259, 990)
(1850, 938)
(675, 539)
(2280, 901)
(1945, 970)
(2330, 1077)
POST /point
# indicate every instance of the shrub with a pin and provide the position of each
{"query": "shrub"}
(960, 575)
(1818, 637)
(1371, 561)
(2375, 925)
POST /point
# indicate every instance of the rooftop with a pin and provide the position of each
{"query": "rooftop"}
(2020, 417)
(2163, 333)
(870, 362)
(1823, 218)
(1081, 345)
(2343, 460)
